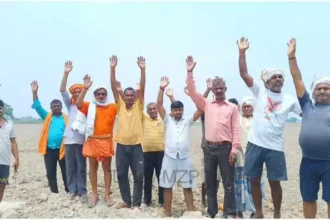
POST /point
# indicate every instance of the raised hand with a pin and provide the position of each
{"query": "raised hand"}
(141, 61)
(169, 92)
(68, 67)
(34, 86)
(87, 81)
(137, 87)
(113, 61)
(243, 44)
(190, 63)
(118, 86)
(209, 83)
(292, 47)
(186, 91)
(164, 82)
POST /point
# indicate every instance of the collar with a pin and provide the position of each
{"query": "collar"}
(224, 102)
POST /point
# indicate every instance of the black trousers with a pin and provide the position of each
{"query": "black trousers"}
(152, 161)
(51, 159)
(130, 156)
(214, 157)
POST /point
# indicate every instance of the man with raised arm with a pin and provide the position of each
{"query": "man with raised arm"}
(177, 166)
(99, 116)
(8, 146)
(222, 141)
(153, 147)
(51, 144)
(314, 138)
(265, 141)
(75, 161)
(203, 143)
(129, 136)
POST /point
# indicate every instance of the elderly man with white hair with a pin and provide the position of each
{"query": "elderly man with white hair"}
(243, 195)
(265, 141)
(314, 136)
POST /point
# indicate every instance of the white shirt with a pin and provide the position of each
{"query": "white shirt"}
(71, 136)
(270, 114)
(177, 138)
(6, 133)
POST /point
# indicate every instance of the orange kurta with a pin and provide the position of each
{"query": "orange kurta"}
(101, 145)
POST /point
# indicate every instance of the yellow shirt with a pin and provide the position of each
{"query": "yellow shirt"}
(129, 127)
(153, 134)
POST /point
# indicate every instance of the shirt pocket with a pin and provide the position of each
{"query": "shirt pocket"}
(224, 118)
(160, 127)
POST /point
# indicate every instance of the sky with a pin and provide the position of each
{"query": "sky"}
(37, 38)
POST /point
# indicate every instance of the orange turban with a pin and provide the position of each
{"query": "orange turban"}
(73, 87)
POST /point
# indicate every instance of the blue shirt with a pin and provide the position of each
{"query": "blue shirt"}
(314, 136)
(56, 127)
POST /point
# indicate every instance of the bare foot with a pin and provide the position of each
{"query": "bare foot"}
(108, 201)
(277, 215)
(167, 214)
(121, 205)
(257, 216)
(93, 201)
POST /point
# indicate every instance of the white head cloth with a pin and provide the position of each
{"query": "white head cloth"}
(319, 80)
(248, 101)
(267, 74)
(106, 100)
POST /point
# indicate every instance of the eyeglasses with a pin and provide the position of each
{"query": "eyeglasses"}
(100, 94)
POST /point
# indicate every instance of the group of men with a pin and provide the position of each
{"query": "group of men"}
(147, 142)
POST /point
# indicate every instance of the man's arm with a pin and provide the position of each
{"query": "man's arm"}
(208, 88)
(137, 92)
(141, 63)
(65, 95)
(67, 69)
(236, 143)
(120, 90)
(160, 106)
(196, 97)
(87, 84)
(294, 69)
(36, 103)
(197, 115)
(113, 64)
(160, 103)
(243, 45)
(170, 94)
(14, 150)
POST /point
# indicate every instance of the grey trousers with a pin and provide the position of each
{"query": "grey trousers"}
(218, 156)
(75, 169)
(128, 156)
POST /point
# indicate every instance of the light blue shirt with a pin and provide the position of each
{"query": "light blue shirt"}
(56, 127)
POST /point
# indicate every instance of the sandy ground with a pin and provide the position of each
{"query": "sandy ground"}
(28, 195)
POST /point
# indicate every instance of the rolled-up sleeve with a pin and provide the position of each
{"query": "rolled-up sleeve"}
(196, 97)
(236, 142)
